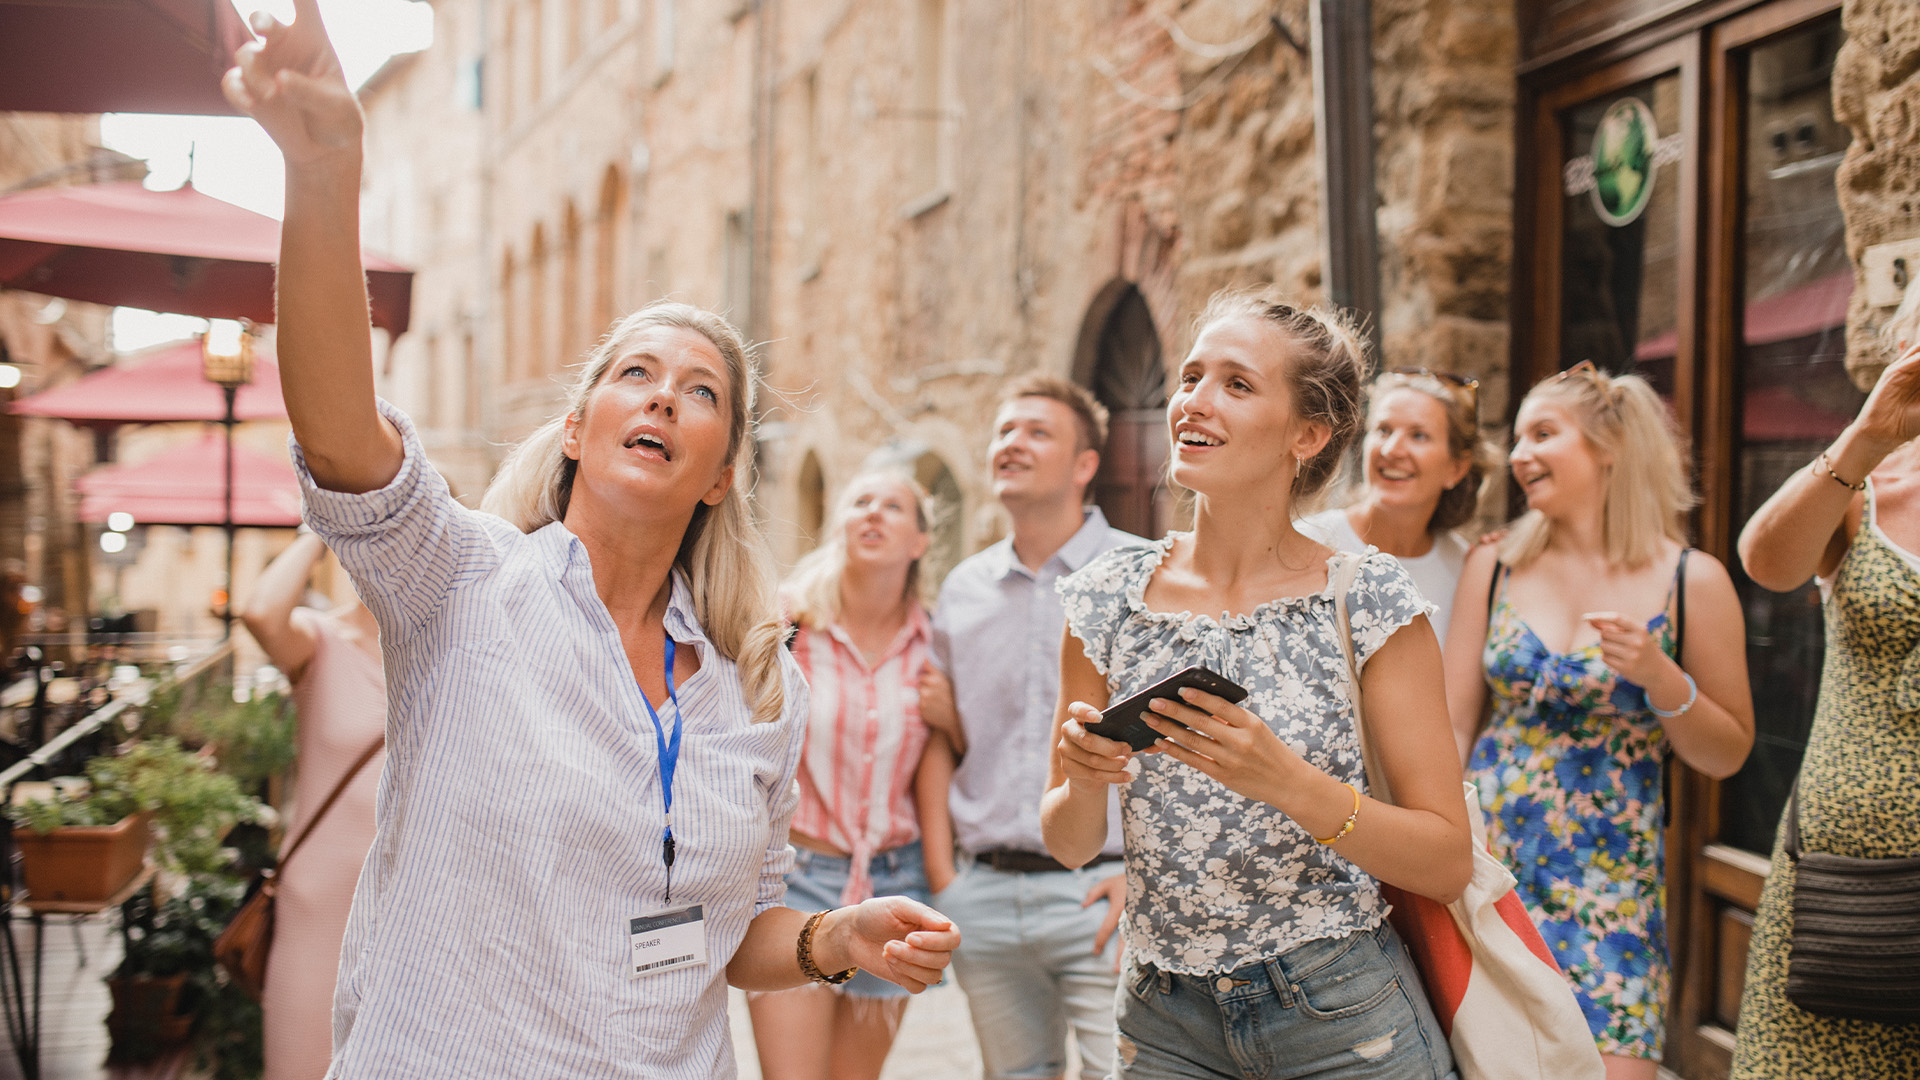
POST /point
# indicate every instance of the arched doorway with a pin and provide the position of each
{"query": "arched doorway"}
(1128, 377)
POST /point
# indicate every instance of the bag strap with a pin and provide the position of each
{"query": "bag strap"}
(1340, 583)
(1493, 587)
(1793, 821)
(1680, 606)
(332, 797)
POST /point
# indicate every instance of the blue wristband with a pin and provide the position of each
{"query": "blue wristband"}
(1693, 695)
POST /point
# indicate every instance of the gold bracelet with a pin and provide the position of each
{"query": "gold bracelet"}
(1348, 827)
(803, 948)
(1827, 463)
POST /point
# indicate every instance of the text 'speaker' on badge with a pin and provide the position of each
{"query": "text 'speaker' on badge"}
(667, 941)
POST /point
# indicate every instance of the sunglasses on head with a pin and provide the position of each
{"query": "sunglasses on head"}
(1466, 389)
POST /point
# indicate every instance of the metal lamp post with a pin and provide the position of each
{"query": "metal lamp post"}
(226, 360)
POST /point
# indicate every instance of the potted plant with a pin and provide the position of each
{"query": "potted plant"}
(167, 977)
(191, 806)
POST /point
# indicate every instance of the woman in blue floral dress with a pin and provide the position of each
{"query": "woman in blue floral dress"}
(1576, 621)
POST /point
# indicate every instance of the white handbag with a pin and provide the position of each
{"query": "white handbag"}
(1506, 1007)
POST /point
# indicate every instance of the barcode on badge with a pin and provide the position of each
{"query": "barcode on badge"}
(669, 962)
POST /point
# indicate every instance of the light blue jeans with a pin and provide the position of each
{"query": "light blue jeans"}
(1027, 963)
(1347, 1007)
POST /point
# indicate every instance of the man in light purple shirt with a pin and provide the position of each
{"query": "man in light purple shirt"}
(1038, 952)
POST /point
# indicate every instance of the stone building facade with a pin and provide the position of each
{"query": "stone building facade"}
(907, 202)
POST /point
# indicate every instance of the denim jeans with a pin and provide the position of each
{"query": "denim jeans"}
(1336, 1007)
(1027, 963)
(816, 880)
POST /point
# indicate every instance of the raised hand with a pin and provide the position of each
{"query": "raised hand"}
(1891, 415)
(290, 81)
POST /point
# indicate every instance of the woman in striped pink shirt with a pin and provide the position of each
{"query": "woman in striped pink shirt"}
(861, 638)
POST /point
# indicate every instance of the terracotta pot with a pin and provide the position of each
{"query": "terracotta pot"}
(80, 864)
(146, 1020)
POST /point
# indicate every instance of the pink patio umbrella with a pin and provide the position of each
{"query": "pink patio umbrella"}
(95, 56)
(163, 385)
(179, 251)
(185, 485)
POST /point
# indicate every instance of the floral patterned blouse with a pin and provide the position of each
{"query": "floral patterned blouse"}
(1216, 880)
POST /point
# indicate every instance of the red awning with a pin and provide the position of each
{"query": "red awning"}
(186, 485)
(1819, 305)
(177, 251)
(96, 56)
(157, 387)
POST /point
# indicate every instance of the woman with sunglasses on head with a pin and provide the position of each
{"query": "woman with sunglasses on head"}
(593, 731)
(1425, 464)
(1257, 940)
(860, 636)
(1608, 644)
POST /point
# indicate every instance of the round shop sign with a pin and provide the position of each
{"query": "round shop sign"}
(1623, 148)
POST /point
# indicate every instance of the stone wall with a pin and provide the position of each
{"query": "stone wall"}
(1444, 107)
(1876, 93)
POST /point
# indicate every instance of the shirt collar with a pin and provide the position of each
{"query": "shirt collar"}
(918, 628)
(1081, 547)
(561, 551)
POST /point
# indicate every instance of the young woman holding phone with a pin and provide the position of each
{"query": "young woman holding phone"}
(1257, 940)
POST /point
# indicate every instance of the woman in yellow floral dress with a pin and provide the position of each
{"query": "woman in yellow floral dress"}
(1575, 622)
(1853, 518)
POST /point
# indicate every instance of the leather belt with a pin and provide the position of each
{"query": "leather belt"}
(1031, 862)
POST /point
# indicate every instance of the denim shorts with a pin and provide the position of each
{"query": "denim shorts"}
(1336, 1007)
(817, 880)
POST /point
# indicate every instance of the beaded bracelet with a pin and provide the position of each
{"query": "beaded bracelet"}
(803, 949)
(1693, 695)
(1348, 827)
(1827, 463)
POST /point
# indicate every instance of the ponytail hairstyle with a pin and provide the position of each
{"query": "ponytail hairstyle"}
(1460, 401)
(1646, 493)
(1325, 371)
(723, 555)
(812, 590)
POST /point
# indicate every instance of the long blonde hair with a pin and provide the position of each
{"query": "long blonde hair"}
(723, 555)
(1646, 494)
(812, 590)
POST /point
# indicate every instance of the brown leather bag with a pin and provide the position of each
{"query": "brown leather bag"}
(243, 946)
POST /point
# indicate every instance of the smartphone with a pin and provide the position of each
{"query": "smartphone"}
(1123, 722)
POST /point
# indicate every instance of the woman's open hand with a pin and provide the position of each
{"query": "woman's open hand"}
(901, 940)
(290, 81)
(1092, 758)
(1224, 741)
(1891, 415)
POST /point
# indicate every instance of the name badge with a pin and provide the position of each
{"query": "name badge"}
(667, 941)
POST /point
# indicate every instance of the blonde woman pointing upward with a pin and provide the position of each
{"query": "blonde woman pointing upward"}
(594, 730)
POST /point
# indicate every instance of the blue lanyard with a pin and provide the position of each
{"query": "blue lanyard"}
(669, 757)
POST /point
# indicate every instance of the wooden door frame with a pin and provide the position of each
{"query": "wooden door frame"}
(1725, 874)
(1705, 45)
(1536, 280)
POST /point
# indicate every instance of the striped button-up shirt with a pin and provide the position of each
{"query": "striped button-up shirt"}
(996, 634)
(863, 745)
(520, 812)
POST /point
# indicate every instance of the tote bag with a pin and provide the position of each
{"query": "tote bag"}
(1505, 1006)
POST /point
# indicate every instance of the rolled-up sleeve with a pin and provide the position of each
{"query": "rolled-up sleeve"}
(783, 798)
(406, 544)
